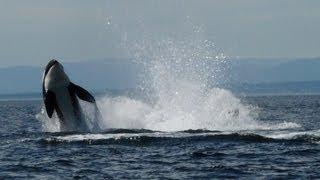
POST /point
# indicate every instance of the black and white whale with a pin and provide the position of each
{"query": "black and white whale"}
(60, 95)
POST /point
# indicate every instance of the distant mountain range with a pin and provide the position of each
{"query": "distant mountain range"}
(283, 88)
(275, 70)
(246, 75)
(95, 76)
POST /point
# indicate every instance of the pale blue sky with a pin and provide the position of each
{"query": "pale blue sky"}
(78, 30)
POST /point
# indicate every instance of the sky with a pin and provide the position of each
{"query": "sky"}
(34, 31)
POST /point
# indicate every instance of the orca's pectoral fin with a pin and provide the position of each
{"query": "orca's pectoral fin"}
(82, 93)
(49, 102)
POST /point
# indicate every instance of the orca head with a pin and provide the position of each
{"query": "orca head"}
(54, 75)
(50, 64)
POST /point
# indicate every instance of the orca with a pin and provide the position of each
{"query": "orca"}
(60, 95)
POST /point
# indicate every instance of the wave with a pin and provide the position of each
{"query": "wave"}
(147, 137)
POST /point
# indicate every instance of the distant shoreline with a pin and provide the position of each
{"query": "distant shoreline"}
(38, 97)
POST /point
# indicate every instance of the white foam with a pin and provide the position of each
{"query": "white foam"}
(88, 137)
(290, 135)
(213, 111)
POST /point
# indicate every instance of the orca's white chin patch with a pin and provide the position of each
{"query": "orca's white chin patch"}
(56, 77)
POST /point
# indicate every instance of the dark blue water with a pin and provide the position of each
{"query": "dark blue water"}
(293, 152)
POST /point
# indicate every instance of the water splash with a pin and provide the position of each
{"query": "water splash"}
(180, 82)
(48, 124)
(91, 118)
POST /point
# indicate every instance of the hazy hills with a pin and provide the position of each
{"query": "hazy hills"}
(275, 70)
(246, 75)
(97, 75)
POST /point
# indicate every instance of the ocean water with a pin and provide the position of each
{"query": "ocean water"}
(285, 142)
